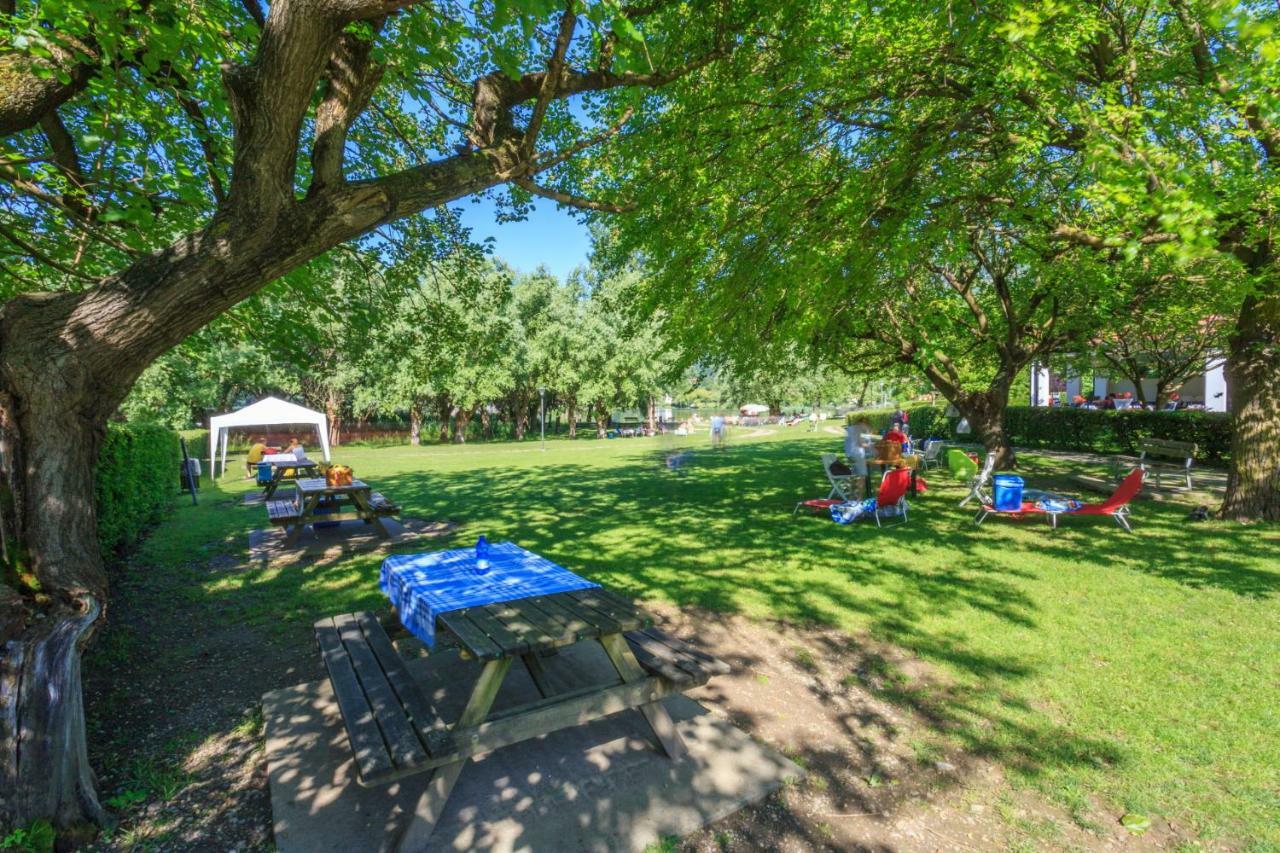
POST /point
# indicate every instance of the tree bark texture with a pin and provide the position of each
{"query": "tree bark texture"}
(333, 413)
(460, 423)
(415, 425)
(1253, 482)
(985, 412)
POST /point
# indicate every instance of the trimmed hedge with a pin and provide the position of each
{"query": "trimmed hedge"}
(134, 483)
(1101, 431)
(924, 421)
(1107, 431)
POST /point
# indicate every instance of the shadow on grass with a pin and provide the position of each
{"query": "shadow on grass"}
(717, 533)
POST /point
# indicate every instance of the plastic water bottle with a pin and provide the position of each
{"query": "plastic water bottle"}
(482, 555)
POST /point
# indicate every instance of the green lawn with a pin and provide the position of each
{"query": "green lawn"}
(1141, 669)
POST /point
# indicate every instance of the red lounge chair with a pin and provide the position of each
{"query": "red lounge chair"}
(1116, 506)
(817, 505)
(893, 494)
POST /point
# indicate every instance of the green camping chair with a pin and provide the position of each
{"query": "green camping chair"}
(962, 467)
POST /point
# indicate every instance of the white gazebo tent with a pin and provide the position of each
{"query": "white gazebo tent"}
(269, 411)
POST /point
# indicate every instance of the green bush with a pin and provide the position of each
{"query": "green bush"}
(1101, 431)
(1107, 431)
(134, 483)
(924, 421)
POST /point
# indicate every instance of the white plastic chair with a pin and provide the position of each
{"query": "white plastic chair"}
(932, 449)
(842, 485)
(978, 485)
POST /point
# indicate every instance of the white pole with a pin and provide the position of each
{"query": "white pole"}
(542, 414)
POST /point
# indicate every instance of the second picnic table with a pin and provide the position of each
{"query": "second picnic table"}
(282, 462)
(362, 502)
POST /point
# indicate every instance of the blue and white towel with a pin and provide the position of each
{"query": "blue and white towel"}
(422, 586)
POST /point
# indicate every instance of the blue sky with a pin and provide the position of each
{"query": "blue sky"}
(548, 236)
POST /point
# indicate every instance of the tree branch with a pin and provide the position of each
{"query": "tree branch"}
(572, 201)
(67, 159)
(1080, 237)
(550, 81)
(41, 257)
(558, 157)
(35, 85)
(350, 80)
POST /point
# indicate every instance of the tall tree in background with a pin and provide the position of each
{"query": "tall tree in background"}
(175, 158)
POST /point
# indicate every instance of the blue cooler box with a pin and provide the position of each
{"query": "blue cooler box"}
(1008, 492)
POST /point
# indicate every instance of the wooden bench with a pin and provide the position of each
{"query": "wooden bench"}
(1161, 456)
(392, 728)
(383, 505)
(394, 731)
(283, 511)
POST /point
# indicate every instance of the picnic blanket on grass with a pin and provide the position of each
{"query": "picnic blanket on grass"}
(422, 586)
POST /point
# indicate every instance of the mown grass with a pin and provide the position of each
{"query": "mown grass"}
(1141, 669)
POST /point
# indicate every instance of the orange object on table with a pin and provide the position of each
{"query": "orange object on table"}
(338, 475)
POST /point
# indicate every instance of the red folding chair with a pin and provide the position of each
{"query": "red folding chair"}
(891, 500)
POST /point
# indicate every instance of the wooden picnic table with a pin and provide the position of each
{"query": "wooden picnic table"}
(355, 502)
(394, 730)
(282, 462)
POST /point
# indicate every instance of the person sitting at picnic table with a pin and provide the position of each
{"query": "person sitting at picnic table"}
(257, 450)
(1078, 401)
(896, 434)
(295, 447)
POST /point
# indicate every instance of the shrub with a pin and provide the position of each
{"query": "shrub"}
(1108, 431)
(1102, 431)
(925, 421)
(134, 482)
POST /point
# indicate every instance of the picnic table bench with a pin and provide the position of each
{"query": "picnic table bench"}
(1159, 456)
(394, 730)
(297, 512)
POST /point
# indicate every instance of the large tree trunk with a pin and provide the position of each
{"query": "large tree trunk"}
(653, 415)
(444, 411)
(415, 425)
(486, 423)
(603, 418)
(519, 419)
(460, 425)
(333, 411)
(51, 425)
(1253, 483)
(985, 412)
(571, 415)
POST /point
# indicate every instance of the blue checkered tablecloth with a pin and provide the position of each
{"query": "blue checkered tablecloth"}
(422, 586)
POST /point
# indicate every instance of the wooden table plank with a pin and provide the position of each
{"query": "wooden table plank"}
(403, 745)
(526, 619)
(470, 635)
(584, 625)
(627, 617)
(643, 642)
(511, 643)
(657, 665)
